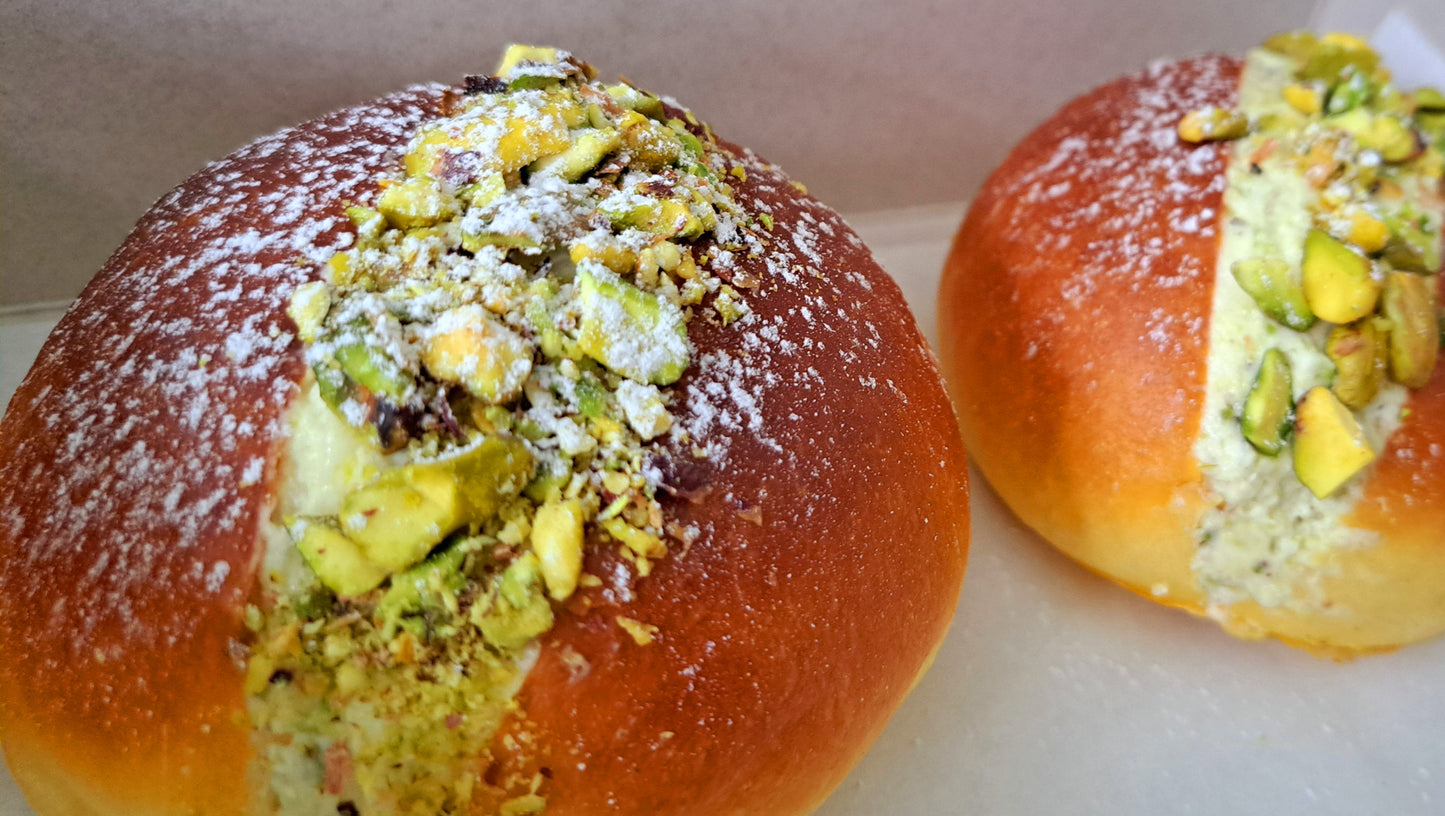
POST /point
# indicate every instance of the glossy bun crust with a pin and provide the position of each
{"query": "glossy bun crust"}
(137, 462)
(1074, 315)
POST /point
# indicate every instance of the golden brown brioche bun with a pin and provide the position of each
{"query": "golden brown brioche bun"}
(1074, 314)
(139, 457)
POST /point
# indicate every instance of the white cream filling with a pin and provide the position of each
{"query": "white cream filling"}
(1267, 537)
(324, 460)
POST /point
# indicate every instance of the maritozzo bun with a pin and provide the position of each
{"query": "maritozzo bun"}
(496, 449)
(1191, 327)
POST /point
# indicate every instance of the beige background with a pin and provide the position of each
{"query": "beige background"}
(104, 106)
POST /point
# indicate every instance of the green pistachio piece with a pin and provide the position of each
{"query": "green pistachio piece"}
(589, 147)
(521, 611)
(1409, 304)
(666, 217)
(553, 343)
(591, 398)
(1358, 352)
(1267, 418)
(374, 369)
(1274, 288)
(1429, 99)
(553, 474)
(1384, 134)
(1411, 246)
(485, 191)
(421, 588)
(634, 333)
(1355, 91)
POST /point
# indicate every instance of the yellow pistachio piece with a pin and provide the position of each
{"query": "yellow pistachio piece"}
(1337, 280)
(426, 147)
(1294, 44)
(1212, 125)
(529, 137)
(1321, 162)
(1384, 134)
(258, 673)
(645, 409)
(669, 255)
(1344, 40)
(557, 540)
(528, 804)
(516, 54)
(562, 104)
(686, 267)
(1429, 99)
(609, 253)
(1392, 139)
(468, 346)
(338, 561)
(416, 202)
(1368, 232)
(642, 633)
(1306, 98)
(401, 516)
(640, 542)
(1409, 304)
(309, 305)
(630, 98)
(1430, 164)
(650, 143)
(1329, 445)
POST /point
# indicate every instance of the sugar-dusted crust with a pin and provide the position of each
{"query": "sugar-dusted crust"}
(137, 462)
(1074, 318)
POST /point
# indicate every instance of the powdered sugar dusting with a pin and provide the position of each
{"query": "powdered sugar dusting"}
(802, 412)
(779, 375)
(155, 405)
(1148, 195)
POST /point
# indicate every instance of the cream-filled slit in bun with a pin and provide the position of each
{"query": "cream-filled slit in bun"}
(503, 449)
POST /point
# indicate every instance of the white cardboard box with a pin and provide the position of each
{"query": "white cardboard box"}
(1055, 693)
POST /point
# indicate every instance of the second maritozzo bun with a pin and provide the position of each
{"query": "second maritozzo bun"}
(1191, 326)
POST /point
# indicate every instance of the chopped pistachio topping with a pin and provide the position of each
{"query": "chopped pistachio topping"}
(1372, 155)
(1324, 311)
(502, 336)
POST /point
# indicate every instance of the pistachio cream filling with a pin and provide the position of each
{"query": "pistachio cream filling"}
(1324, 313)
(491, 364)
